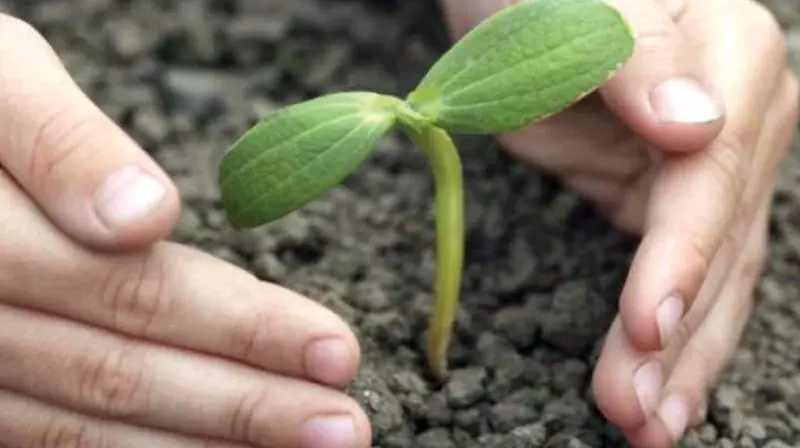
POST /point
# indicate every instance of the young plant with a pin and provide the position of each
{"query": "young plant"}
(522, 64)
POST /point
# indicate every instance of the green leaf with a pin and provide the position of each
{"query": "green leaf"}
(526, 62)
(298, 153)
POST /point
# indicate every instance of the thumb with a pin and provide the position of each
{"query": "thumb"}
(83, 171)
(662, 94)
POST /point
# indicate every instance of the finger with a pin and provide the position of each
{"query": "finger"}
(596, 156)
(626, 382)
(662, 93)
(584, 141)
(106, 376)
(172, 295)
(626, 379)
(624, 202)
(27, 422)
(81, 169)
(696, 198)
(775, 140)
(703, 357)
(719, 323)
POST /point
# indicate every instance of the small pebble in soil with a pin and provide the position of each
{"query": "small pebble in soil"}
(435, 438)
(543, 269)
(466, 387)
(504, 417)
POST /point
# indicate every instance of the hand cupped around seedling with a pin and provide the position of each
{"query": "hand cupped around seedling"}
(522, 64)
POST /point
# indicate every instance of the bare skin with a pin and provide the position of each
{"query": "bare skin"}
(693, 174)
(109, 337)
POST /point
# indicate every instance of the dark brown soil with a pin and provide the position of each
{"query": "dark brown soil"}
(185, 77)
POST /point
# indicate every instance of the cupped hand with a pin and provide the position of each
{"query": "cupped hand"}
(109, 337)
(682, 146)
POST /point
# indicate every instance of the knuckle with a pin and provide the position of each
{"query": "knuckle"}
(683, 334)
(726, 160)
(134, 293)
(248, 336)
(653, 40)
(57, 140)
(699, 257)
(244, 423)
(252, 339)
(115, 383)
(735, 237)
(68, 433)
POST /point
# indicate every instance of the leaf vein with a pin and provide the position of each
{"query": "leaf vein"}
(513, 34)
(561, 47)
(507, 97)
(250, 163)
(276, 189)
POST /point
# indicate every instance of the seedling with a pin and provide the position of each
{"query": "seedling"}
(524, 63)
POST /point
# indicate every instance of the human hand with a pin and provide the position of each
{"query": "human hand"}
(692, 173)
(142, 343)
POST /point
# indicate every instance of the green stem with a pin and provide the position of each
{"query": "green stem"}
(447, 171)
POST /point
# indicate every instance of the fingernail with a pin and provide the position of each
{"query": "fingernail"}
(647, 383)
(682, 100)
(329, 432)
(668, 317)
(673, 414)
(327, 360)
(127, 195)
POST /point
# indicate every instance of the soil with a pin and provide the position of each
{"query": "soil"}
(543, 270)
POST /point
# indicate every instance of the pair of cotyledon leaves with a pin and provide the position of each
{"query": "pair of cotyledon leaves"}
(526, 62)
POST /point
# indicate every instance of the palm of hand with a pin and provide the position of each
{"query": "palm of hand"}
(596, 156)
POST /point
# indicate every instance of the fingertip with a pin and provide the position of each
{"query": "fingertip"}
(687, 115)
(653, 434)
(332, 356)
(682, 100)
(664, 278)
(87, 175)
(666, 427)
(676, 115)
(133, 207)
(625, 385)
(661, 93)
(348, 429)
(639, 320)
(363, 428)
(332, 361)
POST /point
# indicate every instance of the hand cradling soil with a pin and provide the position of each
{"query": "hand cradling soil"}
(543, 270)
